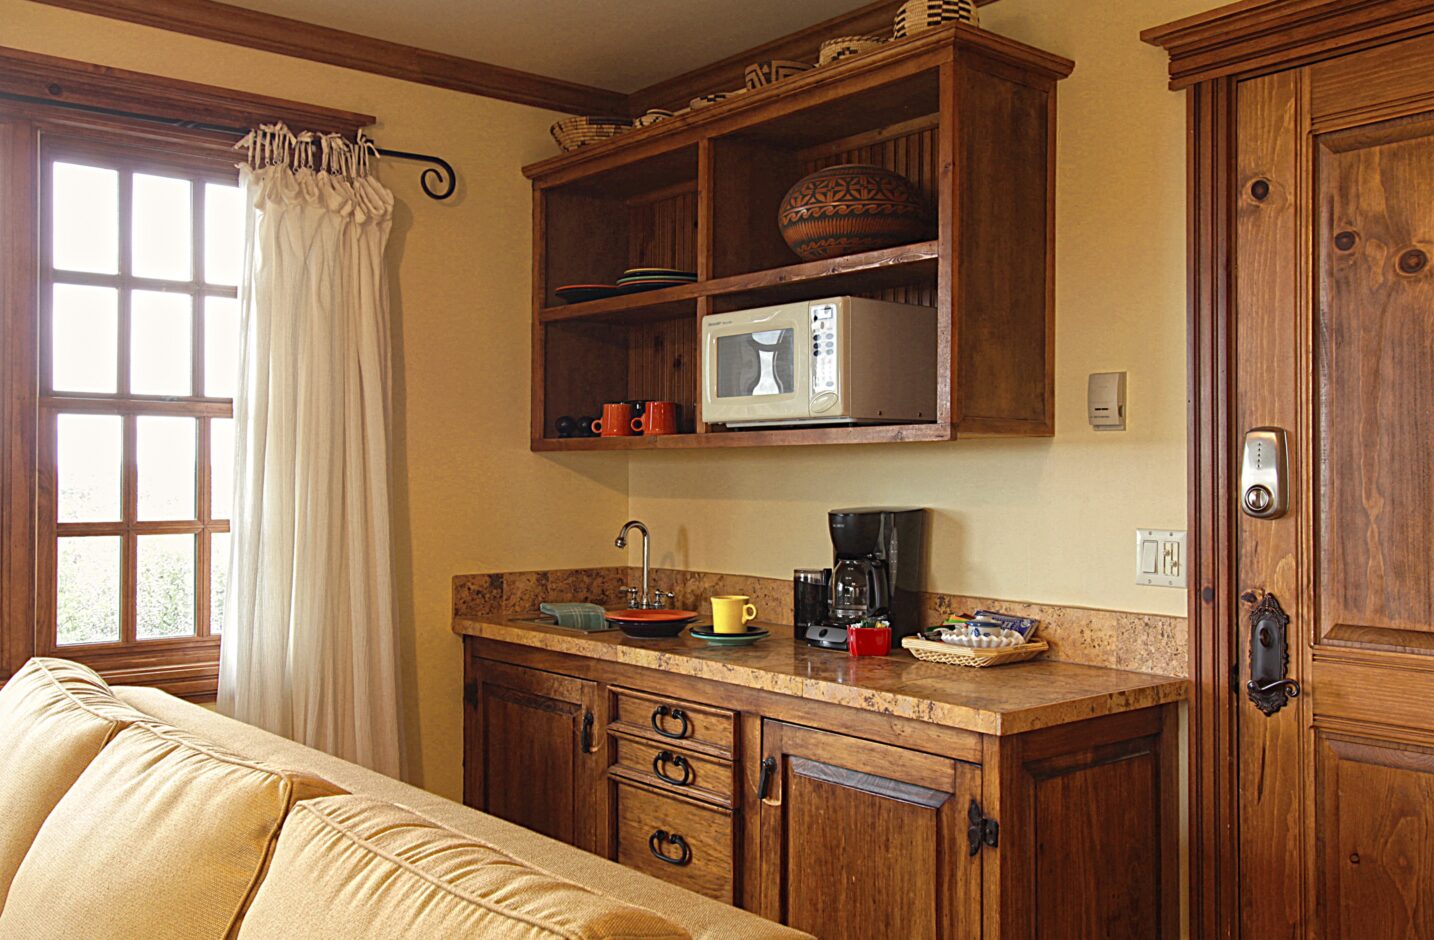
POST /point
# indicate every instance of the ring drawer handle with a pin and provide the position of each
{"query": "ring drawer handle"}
(664, 758)
(661, 837)
(676, 714)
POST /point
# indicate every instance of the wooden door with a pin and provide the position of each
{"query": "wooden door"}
(536, 737)
(1334, 340)
(864, 840)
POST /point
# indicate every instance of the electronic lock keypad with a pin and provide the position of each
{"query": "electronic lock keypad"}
(1264, 472)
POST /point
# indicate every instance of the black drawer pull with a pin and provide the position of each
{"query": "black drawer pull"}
(662, 837)
(676, 714)
(664, 758)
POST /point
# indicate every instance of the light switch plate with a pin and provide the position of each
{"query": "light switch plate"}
(1160, 557)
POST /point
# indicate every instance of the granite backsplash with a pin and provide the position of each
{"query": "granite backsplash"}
(1112, 638)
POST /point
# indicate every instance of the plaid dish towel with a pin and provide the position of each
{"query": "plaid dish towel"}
(588, 617)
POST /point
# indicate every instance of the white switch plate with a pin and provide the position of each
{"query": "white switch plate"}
(1160, 557)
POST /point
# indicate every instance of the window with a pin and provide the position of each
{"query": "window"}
(119, 263)
(138, 360)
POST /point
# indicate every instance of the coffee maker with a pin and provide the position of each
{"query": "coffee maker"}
(878, 572)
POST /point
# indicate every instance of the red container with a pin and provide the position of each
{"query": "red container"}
(868, 641)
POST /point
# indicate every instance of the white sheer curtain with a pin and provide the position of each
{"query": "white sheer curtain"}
(310, 648)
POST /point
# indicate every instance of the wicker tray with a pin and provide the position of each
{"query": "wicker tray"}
(933, 651)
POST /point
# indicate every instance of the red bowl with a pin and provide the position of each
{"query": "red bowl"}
(651, 624)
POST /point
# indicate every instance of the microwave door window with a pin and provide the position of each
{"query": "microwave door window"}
(759, 364)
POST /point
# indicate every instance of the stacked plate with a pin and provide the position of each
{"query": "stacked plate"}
(640, 279)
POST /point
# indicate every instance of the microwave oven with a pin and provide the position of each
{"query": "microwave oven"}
(837, 360)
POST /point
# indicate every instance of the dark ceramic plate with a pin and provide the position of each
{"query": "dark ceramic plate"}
(580, 293)
(751, 635)
(636, 287)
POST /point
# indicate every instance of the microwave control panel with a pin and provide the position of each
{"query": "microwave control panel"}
(824, 370)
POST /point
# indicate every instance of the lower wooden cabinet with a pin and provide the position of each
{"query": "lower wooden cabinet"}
(840, 822)
(866, 835)
(532, 755)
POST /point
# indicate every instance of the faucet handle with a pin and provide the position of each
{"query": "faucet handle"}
(631, 595)
(662, 600)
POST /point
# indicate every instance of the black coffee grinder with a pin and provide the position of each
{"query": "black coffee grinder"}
(878, 572)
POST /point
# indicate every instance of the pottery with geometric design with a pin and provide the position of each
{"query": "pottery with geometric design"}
(849, 208)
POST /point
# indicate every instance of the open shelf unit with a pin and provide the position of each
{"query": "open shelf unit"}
(967, 116)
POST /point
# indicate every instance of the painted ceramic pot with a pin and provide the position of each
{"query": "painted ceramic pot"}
(849, 208)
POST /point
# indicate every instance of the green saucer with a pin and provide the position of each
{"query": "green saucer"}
(752, 635)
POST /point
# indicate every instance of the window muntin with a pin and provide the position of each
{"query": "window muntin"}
(139, 348)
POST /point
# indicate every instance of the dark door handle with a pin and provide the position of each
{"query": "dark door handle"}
(663, 758)
(585, 740)
(661, 838)
(676, 714)
(1270, 686)
(769, 767)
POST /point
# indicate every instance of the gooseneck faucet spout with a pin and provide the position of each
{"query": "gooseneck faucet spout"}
(621, 542)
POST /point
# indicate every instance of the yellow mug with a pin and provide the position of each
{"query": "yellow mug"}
(731, 613)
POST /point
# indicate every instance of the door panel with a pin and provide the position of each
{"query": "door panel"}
(1334, 338)
(866, 836)
(1375, 349)
(1378, 838)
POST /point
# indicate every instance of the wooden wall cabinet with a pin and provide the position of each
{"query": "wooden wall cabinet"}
(818, 816)
(965, 114)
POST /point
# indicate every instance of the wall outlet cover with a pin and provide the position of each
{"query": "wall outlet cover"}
(1160, 557)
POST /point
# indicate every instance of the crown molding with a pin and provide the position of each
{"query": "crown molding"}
(209, 19)
(1261, 35)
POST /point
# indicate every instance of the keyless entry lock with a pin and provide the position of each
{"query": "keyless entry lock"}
(1264, 487)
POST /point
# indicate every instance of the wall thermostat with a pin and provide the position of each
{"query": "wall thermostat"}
(1105, 401)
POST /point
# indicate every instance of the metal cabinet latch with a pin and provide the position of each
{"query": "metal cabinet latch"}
(981, 831)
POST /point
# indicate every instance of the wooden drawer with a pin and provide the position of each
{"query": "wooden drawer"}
(670, 767)
(695, 838)
(668, 720)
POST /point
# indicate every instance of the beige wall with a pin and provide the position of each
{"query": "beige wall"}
(469, 495)
(1048, 520)
(1042, 520)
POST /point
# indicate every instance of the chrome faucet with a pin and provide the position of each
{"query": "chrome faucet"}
(649, 600)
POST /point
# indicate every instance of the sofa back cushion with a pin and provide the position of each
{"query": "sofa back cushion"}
(358, 868)
(55, 716)
(162, 836)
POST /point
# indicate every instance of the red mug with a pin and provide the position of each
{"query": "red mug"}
(616, 420)
(660, 417)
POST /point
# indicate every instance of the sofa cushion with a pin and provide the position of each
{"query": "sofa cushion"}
(55, 716)
(358, 868)
(162, 836)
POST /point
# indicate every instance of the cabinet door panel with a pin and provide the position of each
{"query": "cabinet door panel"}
(867, 836)
(535, 769)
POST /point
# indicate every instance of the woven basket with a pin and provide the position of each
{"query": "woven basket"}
(918, 15)
(574, 132)
(844, 47)
(932, 651)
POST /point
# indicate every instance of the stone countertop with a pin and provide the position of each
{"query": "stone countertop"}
(998, 700)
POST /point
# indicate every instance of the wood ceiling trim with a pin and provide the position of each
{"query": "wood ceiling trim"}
(803, 45)
(1256, 35)
(65, 81)
(225, 23)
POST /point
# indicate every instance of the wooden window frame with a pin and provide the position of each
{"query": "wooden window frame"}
(43, 114)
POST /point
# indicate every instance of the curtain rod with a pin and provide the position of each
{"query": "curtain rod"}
(439, 185)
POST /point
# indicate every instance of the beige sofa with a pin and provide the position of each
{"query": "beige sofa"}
(130, 813)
